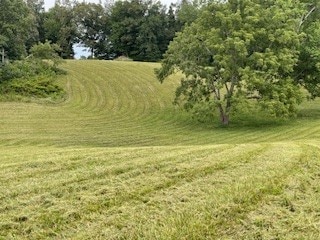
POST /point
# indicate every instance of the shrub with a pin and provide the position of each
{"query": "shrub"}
(40, 86)
(29, 78)
(25, 69)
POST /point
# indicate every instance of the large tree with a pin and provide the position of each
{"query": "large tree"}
(240, 51)
(38, 11)
(141, 29)
(94, 28)
(307, 71)
(60, 28)
(17, 26)
(152, 40)
(188, 11)
(126, 18)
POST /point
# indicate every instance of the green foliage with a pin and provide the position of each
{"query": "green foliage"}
(31, 78)
(141, 30)
(188, 11)
(39, 86)
(93, 28)
(151, 42)
(17, 26)
(37, 11)
(46, 51)
(24, 69)
(204, 112)
(239, 49)
(126, 17)
(307, 71)
(60, 28)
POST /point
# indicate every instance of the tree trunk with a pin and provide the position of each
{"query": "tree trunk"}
(225, 119)
(224, 116)
(2, 56)
(92, 53)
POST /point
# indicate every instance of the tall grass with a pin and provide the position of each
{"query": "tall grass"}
(118, 161)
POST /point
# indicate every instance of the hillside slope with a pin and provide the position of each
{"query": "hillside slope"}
(122, 104)
(118, 161)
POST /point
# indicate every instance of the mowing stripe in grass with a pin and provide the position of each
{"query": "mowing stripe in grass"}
(211, 205)
(118, 161)
(159, 211)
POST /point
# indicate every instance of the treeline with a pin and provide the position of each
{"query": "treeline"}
(138, 29)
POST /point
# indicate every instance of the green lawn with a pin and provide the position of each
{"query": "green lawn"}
(117, 160)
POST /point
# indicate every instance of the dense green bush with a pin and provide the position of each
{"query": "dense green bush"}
(41, 86)
(24, 69)
(29, 78)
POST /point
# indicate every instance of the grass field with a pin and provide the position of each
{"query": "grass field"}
(117, 160)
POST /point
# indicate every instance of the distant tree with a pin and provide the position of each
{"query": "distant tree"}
(126, 19)
(94, 29)
(60, 28)
(17, 26)
(46, 51)
(141, 30)
(188, 11)
(307, 70)
(238, 51)
(38, 10)
(152, 40)
(173, 25)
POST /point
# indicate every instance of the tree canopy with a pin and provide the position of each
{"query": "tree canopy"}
(139, 29)
(307, 70)
(246, 51)
(93, 29)
(16, 27)
(60, 28)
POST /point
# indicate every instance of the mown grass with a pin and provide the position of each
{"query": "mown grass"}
(118, 161)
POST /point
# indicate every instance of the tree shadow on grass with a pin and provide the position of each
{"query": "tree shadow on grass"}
(309, 112)
(244, 127)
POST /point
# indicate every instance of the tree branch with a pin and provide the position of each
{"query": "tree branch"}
(304, 17)
(254, 97)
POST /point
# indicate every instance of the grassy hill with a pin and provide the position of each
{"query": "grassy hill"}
(118, 161)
